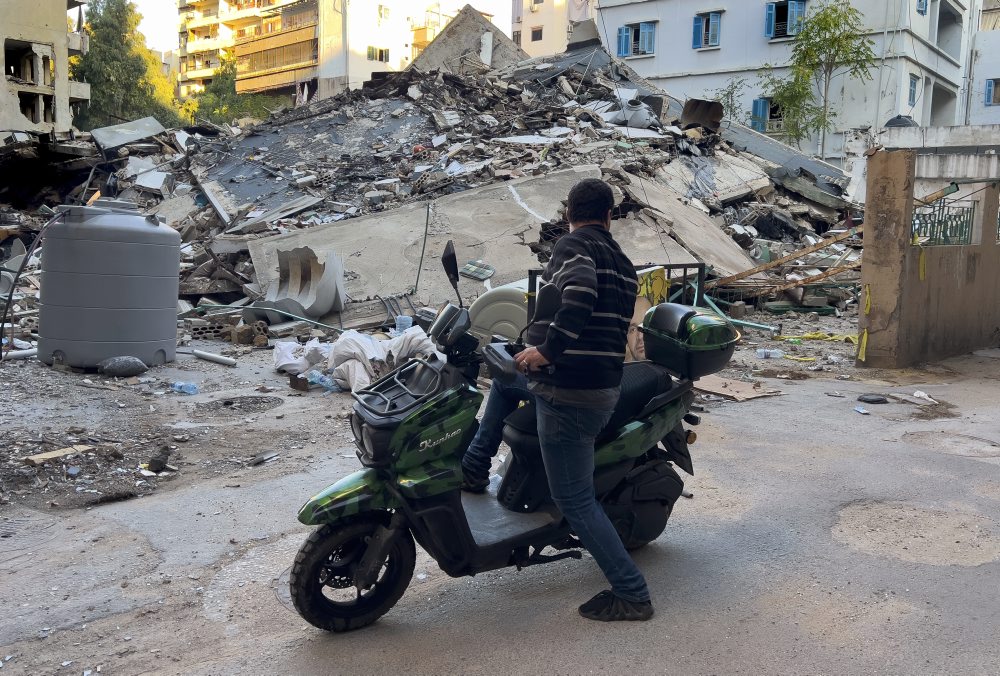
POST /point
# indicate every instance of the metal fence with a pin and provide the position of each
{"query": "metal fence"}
(947, 222)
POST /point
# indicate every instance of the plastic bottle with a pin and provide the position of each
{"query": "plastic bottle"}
(184, 388)
(764, 353)
(317, 378)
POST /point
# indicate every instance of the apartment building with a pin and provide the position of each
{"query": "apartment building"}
(984, 68)
(543, 27)
(209, 29)
(37, 94)
(329, 45)
(693, 48)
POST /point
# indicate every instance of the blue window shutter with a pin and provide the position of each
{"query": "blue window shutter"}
(714, 29)
(796, 13)
(921, 6)
(769, 20)
(647, 38)
(624, 41)
(699, 27)
(758, 119)
(990, 86)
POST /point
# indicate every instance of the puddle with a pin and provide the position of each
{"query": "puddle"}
(917, 534)
(965, 445)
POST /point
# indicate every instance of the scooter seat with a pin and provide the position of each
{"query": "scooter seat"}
(641, 381)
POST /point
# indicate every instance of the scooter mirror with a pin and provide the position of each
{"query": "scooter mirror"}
(450, 262)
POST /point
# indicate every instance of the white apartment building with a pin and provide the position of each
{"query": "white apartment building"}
(984, 68)
(692, 48)
(543, 27)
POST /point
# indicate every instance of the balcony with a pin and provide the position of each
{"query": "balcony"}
(195, 20)
(79, 91)
(79, 43)
(198, 73)
(203, 45)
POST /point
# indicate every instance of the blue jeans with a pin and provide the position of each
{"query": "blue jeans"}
(567, 435)
(503, 400)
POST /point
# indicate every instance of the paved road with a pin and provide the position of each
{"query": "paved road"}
(819, 540)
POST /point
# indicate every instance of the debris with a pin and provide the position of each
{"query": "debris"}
(862, 410)
(262, 458)
(217, 358)
(41, 458)
(873, 399)
(184, 387)
(764, 353)
(122, 367)
(920, 394)
(733, 389)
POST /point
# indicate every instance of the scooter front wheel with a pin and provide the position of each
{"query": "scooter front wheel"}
(323, 577)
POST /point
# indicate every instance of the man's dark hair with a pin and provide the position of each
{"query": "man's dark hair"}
(590, 200)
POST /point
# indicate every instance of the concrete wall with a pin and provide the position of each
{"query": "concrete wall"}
(926, 303)
(41, 29)
(985, 66)
(906, 39)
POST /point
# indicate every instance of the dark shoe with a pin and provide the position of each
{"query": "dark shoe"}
(606, 607)
(474, 485)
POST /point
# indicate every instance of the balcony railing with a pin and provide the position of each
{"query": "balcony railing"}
(948, 222)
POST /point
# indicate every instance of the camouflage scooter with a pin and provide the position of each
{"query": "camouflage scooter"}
(411, 428)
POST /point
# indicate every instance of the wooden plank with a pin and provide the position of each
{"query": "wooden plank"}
(794, 284)
(733, 389)
(795, 255)
(41, 458)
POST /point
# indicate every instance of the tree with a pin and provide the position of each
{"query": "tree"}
(126, 80)
(831, 42)
(220, 103)
(731, 96)
(794, 97)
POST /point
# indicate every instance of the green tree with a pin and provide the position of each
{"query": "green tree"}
(731, 96)
(831, 43)
(126, 79)
(795, 98)
(221, 104)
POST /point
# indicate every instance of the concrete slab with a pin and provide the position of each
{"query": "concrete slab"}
(115, 136)
(695, 231)
(382, 251)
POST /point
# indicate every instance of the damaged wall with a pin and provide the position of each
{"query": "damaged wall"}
(37, 96)
(923, 303)
(469, 36)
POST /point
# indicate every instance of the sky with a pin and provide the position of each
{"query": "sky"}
(159, 23)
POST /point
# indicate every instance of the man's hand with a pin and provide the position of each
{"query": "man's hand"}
(530, 359)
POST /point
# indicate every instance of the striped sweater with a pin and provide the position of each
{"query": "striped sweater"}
(583, 333)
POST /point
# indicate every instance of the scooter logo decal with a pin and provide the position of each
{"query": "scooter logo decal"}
(431, 443)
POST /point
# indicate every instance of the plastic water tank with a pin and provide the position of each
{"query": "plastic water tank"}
(108, 287)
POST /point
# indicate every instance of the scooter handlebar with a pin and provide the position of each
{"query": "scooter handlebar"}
(499, 358)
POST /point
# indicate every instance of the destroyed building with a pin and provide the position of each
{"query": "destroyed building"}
(335, 212)
(37, 94)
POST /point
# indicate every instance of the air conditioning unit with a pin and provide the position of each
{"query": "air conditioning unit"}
(533, 7)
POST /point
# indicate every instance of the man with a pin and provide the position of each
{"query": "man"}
(584, 338)
(502, 401)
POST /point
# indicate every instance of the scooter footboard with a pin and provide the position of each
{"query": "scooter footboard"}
(355, 494)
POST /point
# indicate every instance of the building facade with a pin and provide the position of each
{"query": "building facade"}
(694, 48)
(984, 68)
(543, 27)
(326, 46)
(37, 94)
(210, 29)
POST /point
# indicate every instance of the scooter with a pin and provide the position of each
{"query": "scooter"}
(411, 428)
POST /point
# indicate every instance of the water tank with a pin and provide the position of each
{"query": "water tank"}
(108, 287)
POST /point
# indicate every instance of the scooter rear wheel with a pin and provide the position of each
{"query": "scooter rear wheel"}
(322, 579)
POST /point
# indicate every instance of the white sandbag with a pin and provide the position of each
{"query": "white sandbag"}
(352, 355)
(291, 357)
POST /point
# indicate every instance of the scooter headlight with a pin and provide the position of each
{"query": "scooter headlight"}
(373, 446)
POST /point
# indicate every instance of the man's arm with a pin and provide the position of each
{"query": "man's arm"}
(575, 275)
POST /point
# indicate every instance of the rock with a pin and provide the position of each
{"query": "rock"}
(122, 367)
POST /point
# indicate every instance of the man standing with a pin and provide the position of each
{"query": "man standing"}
(584, 338)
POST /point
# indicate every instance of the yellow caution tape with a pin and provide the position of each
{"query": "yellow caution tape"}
(863, 349)
(788, 356)
(826, 337)
(868, 298)
(923, 264)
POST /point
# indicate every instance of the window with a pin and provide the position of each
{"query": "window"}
(536, 34)
(516, 37)
(921, 6)
(766, 117)
(911, 99)
(783, 19)
(993, 92)
(378, 54)
(706, 30)
(383, 12)
(637, 39)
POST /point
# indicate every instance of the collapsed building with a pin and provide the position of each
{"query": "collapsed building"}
(333, 214)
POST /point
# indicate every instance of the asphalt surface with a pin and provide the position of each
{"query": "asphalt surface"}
(819, 540)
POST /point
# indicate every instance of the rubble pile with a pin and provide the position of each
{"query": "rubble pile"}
(415, 136)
